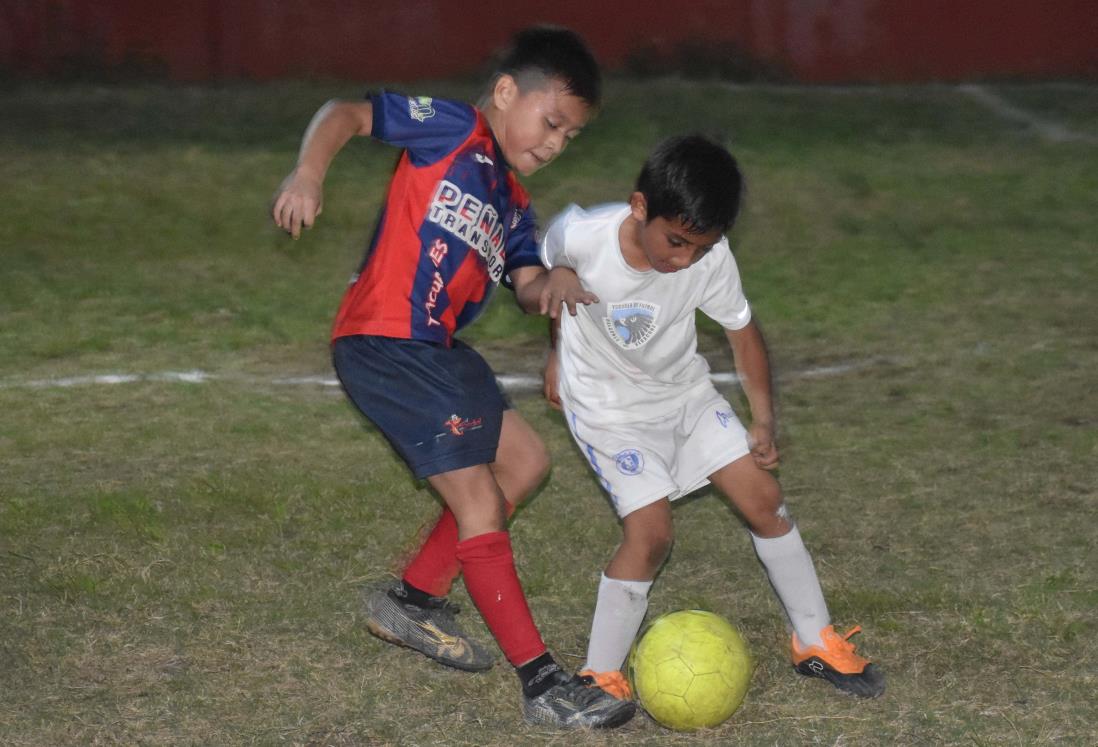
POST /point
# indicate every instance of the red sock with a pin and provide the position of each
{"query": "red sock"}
(495, 589)
(435, 566)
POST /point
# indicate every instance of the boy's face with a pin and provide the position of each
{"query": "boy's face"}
(667, 245)
(533, 124)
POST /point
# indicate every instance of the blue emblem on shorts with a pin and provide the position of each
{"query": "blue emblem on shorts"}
(630, 462)
(723, 417)
(630, 324)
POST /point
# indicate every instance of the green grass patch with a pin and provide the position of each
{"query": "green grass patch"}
(180, 563)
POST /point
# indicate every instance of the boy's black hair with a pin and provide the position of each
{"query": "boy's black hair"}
(558, 53)
(695, 178)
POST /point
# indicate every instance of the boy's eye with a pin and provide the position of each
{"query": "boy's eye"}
(552, 125)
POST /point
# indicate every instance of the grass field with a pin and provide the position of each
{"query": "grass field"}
(180, 562)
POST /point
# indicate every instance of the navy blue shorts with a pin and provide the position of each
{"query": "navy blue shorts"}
(441, 408)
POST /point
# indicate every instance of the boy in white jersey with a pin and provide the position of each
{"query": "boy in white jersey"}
(641, 407)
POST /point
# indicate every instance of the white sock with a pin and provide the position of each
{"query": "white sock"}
(619, 612)
(793, 576)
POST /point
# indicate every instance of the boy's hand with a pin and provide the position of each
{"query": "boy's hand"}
(550, 379)
(563, 286)
(297, 202)
(760, 436)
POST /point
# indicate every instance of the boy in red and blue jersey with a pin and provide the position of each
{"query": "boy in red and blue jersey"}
(456, 222)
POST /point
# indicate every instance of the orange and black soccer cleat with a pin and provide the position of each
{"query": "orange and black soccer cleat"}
(836, 662)
(612, 682)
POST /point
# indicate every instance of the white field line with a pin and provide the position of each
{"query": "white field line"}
(1050, 131)
(510, 382)
(1047, 129)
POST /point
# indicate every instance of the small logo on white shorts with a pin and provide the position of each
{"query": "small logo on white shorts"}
(630, 462)
(723, 417)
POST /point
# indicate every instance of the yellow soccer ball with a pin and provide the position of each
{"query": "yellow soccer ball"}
(690, 669)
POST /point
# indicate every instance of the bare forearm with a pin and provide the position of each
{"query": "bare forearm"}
(540, 292)
(753, 368)
(529, 282)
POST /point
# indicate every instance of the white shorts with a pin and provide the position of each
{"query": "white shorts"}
(640, 462)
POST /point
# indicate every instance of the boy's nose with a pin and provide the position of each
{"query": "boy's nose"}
(556, 141)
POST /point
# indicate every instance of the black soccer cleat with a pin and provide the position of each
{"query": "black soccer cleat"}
(431, 630)
(572, 703)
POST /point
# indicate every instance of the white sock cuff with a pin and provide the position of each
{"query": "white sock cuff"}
(778, 547)
(637, 588)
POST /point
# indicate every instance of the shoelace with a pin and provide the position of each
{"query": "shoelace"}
(444, 605)
(845, 639)
(585, 695)
(612, 682)
(840, 646)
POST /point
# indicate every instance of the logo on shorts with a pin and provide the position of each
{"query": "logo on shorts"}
(724, 417)
(630, 462)
(421, 108)
(457, 425)
(630, 324)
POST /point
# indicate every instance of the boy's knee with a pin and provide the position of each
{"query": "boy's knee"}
(540, 463)
(657, 545)
(771, 518)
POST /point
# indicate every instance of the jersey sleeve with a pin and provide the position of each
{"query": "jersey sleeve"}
(553, 247)
(429, 129)
(522, 245)
(724, 301)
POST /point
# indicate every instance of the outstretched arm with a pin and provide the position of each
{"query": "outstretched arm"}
(753, 367)
(299, 198)
(542, 292)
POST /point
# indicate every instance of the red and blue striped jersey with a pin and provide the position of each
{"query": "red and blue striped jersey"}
(456, 221)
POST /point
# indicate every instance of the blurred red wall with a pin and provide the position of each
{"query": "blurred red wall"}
(808, 40)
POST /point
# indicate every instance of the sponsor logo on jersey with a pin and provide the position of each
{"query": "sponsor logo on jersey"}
(515, 218)
(472, 221)
(630, 324)
(421, 108)
(724, 417)
(458, 425)
(629, 462)
(437, 284)
(437, 251)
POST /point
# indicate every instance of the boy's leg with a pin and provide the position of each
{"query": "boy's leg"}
(623, 590)
(756, 495)
(484, 550)
(817, 649)
(522, 462)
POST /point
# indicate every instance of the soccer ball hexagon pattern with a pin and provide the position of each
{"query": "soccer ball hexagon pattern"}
(690, 669)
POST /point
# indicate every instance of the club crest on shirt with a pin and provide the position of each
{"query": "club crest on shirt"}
(629, 462)
(630, 324)
(421, 108)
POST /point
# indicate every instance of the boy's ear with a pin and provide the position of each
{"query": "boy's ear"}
(638, 206)
(504, 92)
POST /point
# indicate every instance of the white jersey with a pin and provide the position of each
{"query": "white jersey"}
(630, 356)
